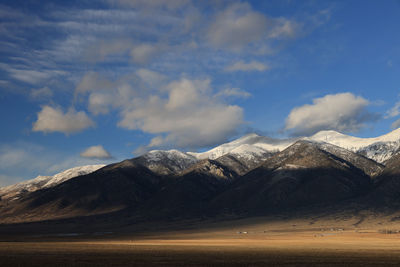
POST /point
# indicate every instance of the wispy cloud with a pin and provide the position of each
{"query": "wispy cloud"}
(233, 92)
(250, 66)
(41, 93)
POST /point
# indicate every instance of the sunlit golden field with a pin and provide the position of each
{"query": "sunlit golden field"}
(237, 243)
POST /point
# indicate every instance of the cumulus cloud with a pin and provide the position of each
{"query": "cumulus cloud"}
(96, 152)
(184, 113)
(55, 120)
(41, 93)
(251, 66)
(342, 112)
(190, 116)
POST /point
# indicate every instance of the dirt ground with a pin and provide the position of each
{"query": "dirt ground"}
(239, 243)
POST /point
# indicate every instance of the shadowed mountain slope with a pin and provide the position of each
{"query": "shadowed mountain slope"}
(173, 184)
(303, 174)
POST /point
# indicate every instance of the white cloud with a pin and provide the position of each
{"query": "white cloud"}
(283, 28)
(190, 116)
(96, 152)
(156, 141)
(395, 124)
(29, 76)
(239, 25)
(41, 93)
(92, 81)
(150, 4)
(151, 78)
(342, 112)
(233, 92)
(54, 120)
(100, 103)
(251, 66)
(144, 53)
(102, 49)
(394, 111)
(186, 113)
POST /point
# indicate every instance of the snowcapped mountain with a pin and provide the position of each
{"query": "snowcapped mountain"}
(250, 175)
(379, 148)
(246, 146)
(241, 155)
(247, 152)
(253, 146)
(166, 162)
(40, 182)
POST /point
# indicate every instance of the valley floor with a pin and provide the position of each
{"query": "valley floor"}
(239, 243)
(300, 249)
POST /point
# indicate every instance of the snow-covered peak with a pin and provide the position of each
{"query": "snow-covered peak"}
(157, 155)
(71, 173)
(377, 148)
(351, 142)
(247, 149)
(40, 182)
(246, 144)
(166, 161)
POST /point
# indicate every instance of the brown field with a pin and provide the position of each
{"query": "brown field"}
(239, 243)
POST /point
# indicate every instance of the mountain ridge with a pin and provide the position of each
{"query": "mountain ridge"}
(239, 178)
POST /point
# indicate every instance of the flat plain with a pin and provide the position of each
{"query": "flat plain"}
(237, 243)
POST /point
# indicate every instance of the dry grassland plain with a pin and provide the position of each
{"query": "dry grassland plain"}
(239, 243)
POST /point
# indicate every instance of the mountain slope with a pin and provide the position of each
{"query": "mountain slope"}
(18, 190)
(253, 175)
(188, 193)
(379, 148)
(112, 188)
(301, 175)
(386, 193)
(166, 162)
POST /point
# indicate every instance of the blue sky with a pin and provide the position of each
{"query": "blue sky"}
(86, 82)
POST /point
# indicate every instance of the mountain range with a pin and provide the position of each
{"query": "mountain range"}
(251, 176)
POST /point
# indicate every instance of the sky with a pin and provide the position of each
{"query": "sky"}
(88, 82)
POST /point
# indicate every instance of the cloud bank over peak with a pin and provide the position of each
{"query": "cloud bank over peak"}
(188, 116)
(343, 112)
